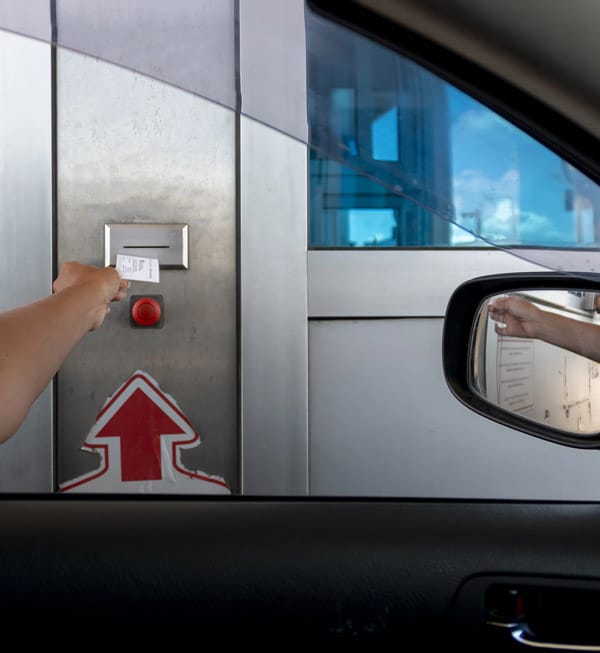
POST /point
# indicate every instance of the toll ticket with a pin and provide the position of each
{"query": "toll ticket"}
(138, 268)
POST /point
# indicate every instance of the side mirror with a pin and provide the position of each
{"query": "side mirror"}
(524, 350)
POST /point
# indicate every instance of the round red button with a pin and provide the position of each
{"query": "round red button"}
(146, 311)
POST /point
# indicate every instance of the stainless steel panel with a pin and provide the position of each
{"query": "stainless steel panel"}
(396, 283)
(189, 43)
(26, 233)
(131, 149)
(273, 64)
(273, 312)
(166, 242)
(373, 431)
(31, 18)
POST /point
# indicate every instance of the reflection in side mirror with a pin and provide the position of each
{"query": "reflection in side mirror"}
(536, 354)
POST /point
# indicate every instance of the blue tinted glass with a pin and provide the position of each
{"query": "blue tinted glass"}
(385, 136)
(400, 158)
(371, 227)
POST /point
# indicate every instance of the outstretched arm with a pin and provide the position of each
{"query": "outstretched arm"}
(523, 319)
(36, 338)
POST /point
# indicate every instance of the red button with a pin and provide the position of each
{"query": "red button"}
(146, 311)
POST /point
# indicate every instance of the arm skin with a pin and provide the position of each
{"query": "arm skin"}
(525, 320)
(36, 338)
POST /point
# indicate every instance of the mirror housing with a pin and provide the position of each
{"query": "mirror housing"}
(462, 349)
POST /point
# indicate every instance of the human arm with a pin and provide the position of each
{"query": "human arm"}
(36, 338)
(523, 319)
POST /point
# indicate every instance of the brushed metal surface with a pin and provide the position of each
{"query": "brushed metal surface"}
(375, 283)
(384, 423)
(273, 312)
(188, 43)
(273, 64)
(26, 233)
(131, 149)
(273, 242)
(31, 19)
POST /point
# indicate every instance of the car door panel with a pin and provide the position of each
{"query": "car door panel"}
(320, 569)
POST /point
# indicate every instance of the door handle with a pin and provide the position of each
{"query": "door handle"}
(555, 616)
(521, 634)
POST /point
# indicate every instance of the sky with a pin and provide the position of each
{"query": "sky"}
(517, 184)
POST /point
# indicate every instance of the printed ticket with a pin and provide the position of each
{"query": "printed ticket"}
(138, 268)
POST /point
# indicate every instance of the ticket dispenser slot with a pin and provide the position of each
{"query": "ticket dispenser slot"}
(166, 242)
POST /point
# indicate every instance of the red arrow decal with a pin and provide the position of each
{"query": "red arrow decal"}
(139, 423)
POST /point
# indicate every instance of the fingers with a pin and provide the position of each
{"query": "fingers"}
(506, 307)
(500, 304)
(105, 282)
(122, 292)
(495, 310)
(497, 313)
(102, 312)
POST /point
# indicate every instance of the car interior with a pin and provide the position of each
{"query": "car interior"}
(479, 573)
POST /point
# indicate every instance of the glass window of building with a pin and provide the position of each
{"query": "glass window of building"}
(401, 158)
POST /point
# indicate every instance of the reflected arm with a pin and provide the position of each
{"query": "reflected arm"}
(518, 317)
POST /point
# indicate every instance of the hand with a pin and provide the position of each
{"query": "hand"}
(520, 317)
(103, 285)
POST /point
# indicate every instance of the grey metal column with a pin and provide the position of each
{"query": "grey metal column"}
(273, 290)
(26, 228)
(132, 150)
